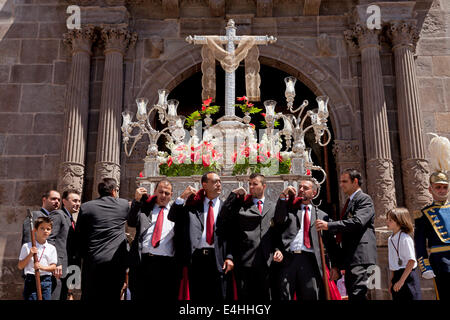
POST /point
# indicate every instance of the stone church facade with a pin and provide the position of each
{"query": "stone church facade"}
(62, 92)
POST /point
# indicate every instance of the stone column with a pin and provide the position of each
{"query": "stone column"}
(415, 170)
(71, 169)
(379, 165)
(107, 165)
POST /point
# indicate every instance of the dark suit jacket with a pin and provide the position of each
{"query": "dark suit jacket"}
(60, 233)
(250, 231)
(26, 237)
(359, 243)
(189, 219)
(288, 222)
(100, 230)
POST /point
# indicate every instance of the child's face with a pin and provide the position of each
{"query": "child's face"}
(391, 224)
(43, 231)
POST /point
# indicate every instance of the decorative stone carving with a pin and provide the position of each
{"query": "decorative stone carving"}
(208, 74)
(117, 39)
(347, 151)
(381, 187)
(311, 7)
(403, 34)
(106, 170)
(80, 39)
(264, 8)
(71, 176)
(171, 8)
(415, 180)
(323, 44)
(73, 152)
(360, 37)
(217, 8)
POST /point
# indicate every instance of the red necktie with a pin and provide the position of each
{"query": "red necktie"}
(73, 225)
(306, 222)
(156, 237)
(259, 206)
(210, 224)
(339, 234)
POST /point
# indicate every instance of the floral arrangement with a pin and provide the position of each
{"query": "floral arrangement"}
(261, 158)
(192, 158)
(247, 106)
(206, 109)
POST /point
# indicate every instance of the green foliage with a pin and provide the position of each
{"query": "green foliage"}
(210, 109)
(264, 124)
(186, 169)
(267, 168)
(194, 116)
(248, 108)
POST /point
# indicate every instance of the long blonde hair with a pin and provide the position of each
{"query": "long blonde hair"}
(402, 217)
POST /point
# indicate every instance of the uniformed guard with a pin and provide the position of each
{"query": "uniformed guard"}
(433, 223)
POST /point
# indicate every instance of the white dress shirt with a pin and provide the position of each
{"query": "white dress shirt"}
(405, 249)
(297, 243)
(165, 247)
(46, 256)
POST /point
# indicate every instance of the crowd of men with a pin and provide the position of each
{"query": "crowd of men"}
(248, 248)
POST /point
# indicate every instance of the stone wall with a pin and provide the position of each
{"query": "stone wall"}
(35, 65)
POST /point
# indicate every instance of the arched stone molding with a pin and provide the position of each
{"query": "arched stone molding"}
(345, 117)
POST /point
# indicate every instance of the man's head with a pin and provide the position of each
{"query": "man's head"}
(350, 181)
(439, 186)
(108, 187)
(71, 200)
(257, 185)
(211, 184)
(43, 228)
(163, 192)
(307, 190)
(51, 200)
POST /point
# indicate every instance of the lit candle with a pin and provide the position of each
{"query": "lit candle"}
(142, 108)
(172, 104)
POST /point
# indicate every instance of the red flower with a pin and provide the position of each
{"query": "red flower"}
(246, 152)
(234, 157)
(263, 114)
(242, 98)
(181, 158)
(206, 160)
(252, 125)
(195, 156)
(268, 154)
(207, 102)
(141, 175)
(259, 159)
(279, 157)
(250, 104)
(308, 172)
(203, 108)
(169, 161)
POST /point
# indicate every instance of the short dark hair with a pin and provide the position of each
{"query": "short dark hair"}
(107, 186)
(66, 193)
(354, 174)
(42, 220)
(47, 193)
(205, 176)
(261, 177)
(164, 181)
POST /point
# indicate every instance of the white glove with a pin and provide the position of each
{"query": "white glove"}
(429, 274)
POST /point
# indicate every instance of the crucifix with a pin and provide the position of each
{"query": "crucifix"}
(231, 57)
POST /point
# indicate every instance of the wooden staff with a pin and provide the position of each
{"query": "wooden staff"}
(324, 267)
(37, 273)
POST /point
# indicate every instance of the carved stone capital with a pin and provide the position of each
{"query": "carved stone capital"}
(415, 183)
(361, 37)
(403, 34)
(71, 176)
(117, 39)
(105, 170)
(381, 187)
(80, 40)
(217, 8)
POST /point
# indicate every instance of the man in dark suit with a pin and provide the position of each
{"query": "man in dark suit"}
(248, 220)
(51, 200)
(102, 243)
(209, 258)
(153, 273)
(62, 238)
(301, 269)
(357, 231)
